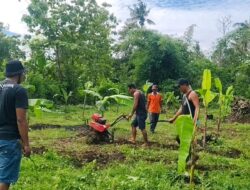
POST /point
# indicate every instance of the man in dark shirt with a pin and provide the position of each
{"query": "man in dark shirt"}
(139, 108)
(13, 124)
(190, 102)
(189, 105)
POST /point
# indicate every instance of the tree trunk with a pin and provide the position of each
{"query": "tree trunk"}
(219, 123)
(59, 65)
(205, 129)
(84, 104)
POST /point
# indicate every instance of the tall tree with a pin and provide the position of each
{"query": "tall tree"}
(232, 54)
(233, 48)
(224, 24)
(152, 56)
(192, 44)
(9, 45)
(9, 48)
(244, 29)
(76, 38)
(139, 13)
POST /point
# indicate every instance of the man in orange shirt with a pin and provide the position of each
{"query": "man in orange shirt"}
(154, 105)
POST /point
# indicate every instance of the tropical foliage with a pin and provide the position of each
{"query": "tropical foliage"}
(185, 128)
(77, 56)
(207, 96)
(224, 101)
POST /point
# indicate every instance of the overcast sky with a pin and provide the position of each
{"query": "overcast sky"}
(171, 16)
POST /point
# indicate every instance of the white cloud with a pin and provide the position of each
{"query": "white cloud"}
(173, 21)
(11, 12)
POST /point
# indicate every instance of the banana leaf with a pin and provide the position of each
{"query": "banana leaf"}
(146, 86)
(93, 93)
(218, 84)
(209, 97)
(185, 129)
(206, 82)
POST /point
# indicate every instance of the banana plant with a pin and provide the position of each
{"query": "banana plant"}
(187, 133)
(38, 106)
(207, 97)
(117, 92)
(171, 99)
(65, 96)
(89, 91)
(224, 102)
(146, 87)
(187, 130)
(105, 102)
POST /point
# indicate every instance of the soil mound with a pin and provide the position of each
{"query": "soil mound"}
(240, 110)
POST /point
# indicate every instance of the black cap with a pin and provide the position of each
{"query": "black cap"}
(182, 82)
(14, 68)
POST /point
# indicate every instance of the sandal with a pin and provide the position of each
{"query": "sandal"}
(131, 141)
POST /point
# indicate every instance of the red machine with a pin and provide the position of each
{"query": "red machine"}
(98, 123)
(99, 128)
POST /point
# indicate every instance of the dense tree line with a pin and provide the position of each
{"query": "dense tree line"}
(72, 43)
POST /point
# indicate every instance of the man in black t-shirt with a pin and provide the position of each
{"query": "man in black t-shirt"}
(13, 124)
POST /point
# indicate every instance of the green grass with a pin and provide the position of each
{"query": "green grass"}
(64, 162)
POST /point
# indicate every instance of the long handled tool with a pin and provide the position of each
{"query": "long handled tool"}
(118, 119)
(166, 121)
(162, 121)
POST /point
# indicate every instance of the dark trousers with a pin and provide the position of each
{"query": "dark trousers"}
(154, 117)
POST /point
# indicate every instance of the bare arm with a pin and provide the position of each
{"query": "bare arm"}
(136, 101)
(23, 129)
(148, 102)
(196, 102)
(176, 115)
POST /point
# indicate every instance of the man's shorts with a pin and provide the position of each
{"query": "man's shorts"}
(139, 121)
(10, 158)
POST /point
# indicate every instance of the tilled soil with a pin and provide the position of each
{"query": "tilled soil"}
(39, 150)
(231, 153)
(214, 167)
(102, 158)
(49, 126)
(170, 146)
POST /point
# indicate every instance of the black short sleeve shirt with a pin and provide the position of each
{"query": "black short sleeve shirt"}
(12, 96)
